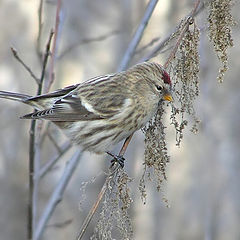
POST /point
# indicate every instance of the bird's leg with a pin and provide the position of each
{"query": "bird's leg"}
(117, 158)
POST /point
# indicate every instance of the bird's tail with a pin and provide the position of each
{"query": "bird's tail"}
(14, 96)
(24, 98)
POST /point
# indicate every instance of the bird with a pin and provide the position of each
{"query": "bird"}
(104, 110)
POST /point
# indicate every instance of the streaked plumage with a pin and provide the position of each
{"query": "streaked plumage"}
(104, 110)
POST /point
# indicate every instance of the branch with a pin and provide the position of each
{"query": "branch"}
(151, 43)
(87, 41)
(138, 35)
(56, 196)
(15, 54)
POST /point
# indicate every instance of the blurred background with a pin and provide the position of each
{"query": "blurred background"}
(203, 174)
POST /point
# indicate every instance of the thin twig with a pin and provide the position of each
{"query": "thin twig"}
(138, 35)
(60, 224)
(113, 170)
(57, 194)
(151, 43)
(86, 41)
(48, 166)
(53, 140)
(45, 133)
(54, 47)
(45, 59)
(15, 54)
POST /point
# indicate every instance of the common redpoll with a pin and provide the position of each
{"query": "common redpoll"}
(104, 110)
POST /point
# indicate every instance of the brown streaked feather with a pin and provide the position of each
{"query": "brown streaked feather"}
(75, 104)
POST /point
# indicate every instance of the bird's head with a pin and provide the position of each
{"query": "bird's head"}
(156, 77)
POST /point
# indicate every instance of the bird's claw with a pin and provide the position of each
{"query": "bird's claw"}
(117, 159)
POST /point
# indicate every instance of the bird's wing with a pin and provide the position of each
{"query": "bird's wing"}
(65, 109)
(75, 106)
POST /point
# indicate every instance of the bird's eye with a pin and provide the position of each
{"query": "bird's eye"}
(159, 88)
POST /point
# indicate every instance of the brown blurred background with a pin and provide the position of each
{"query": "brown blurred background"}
(204, 173)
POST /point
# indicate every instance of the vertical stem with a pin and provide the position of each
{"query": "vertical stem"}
(33, 164)
(31, 205)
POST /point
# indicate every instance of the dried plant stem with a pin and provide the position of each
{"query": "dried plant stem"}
(173, 52)
(103, 190)
(15, 54)
(138, 35)
(94, 207)
(184, 29)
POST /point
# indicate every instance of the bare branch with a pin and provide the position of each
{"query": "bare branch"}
(138, 35)
(15, 54)
(56, 196)
(151, 43)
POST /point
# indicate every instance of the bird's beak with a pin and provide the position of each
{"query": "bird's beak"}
(168, 97)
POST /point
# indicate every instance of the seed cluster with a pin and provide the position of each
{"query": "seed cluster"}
(114, 221)
(156, 157)
(186, 82)
(220, 33)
